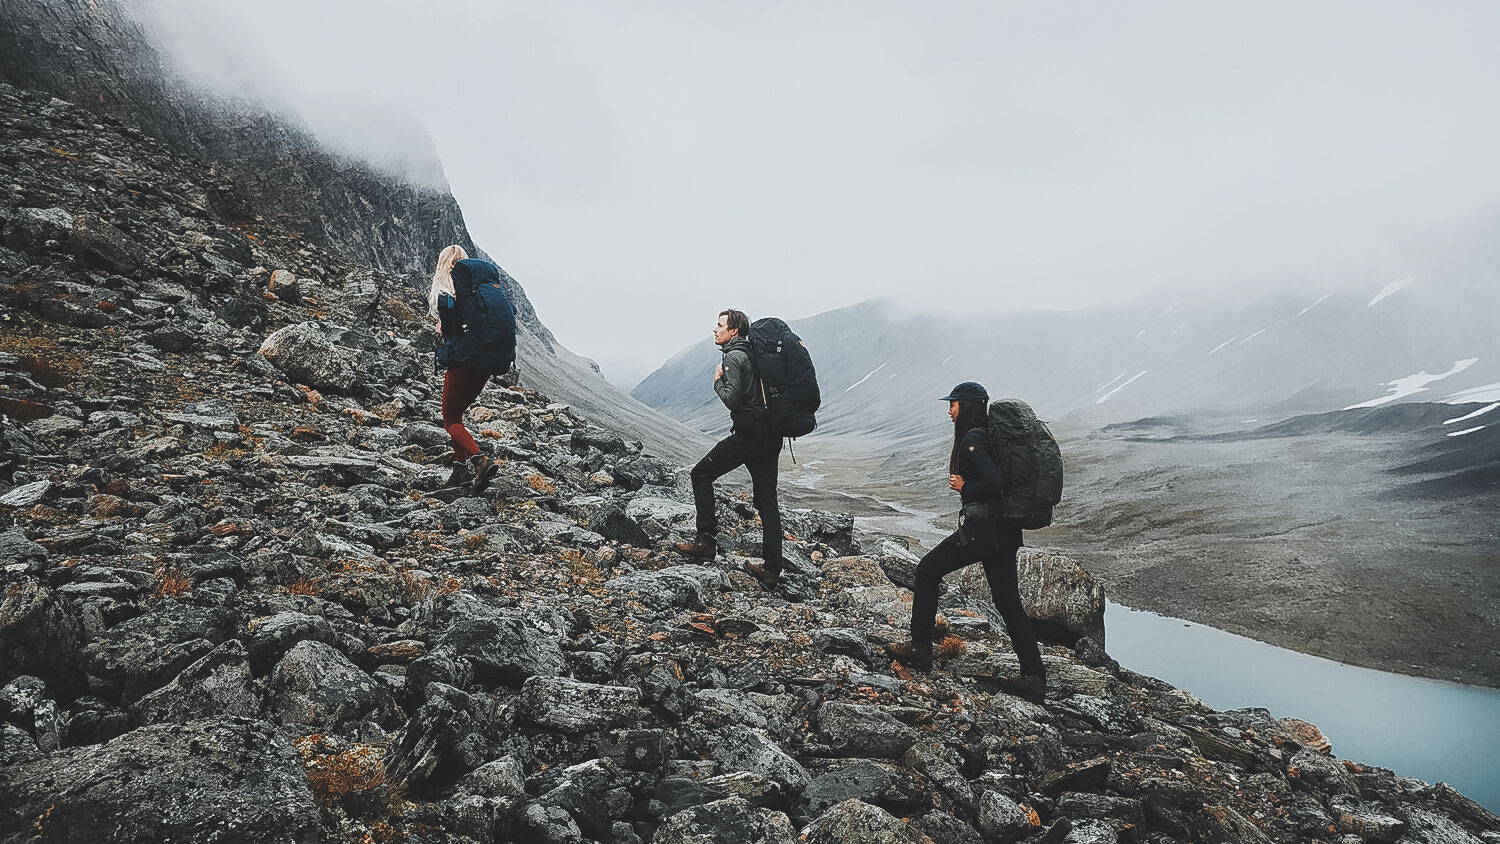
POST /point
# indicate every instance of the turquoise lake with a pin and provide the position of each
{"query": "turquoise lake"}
(1429, 729)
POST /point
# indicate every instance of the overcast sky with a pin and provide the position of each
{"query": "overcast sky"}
(639, 165)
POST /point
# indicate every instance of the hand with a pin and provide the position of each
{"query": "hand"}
(718, 372)
(956, 482)
(437, 327)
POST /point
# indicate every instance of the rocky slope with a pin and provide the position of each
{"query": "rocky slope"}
(238, 605)
(262, 168)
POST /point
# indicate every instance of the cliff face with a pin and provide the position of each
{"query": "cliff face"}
(96, 54)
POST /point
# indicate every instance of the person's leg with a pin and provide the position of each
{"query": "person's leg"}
(764, 469)
(949, 556)
(460, 388)
(729, 454)
(1000, 572)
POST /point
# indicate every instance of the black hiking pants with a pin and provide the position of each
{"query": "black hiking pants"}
(995, 546)
(760, 455)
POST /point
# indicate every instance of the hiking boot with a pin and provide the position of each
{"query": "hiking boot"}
(914, 655)
(767, 576)
(1031, 687)
(482, 470)
(703, 545)
(460, 476)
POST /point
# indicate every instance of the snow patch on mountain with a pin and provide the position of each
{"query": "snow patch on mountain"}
(866, 378)
(1484, 392)
(1106, 397)
(1468, 430)
(1388, 290)
(1221, 345)
(1413, 384)
(1467, 416)
(1315, 304)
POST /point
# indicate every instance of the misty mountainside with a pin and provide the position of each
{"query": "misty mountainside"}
(100, 55)
(882, 369)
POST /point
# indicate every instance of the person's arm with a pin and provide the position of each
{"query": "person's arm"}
(737, 374)
(982, 482)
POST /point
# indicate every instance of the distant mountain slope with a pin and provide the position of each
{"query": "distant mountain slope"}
(882, 369)
(96, 54)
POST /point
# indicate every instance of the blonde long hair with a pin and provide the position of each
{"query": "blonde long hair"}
(442, 278)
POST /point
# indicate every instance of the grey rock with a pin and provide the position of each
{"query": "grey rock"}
(16, 548)
(856, 822)
(433, 749)
(861, 730)
(141, 654)
(16, 746)
(217, 684)
(611, 522)
(1001, 818)
(659, 516)
(545, 824)
(102, 245)
(31, 228)
(504, 646)
(305, 355)
(570, 706)
(315, 686)
(1064, 601)
(1321, 771)
(92, 720)
(740, 748)
(240, 778)
(862, 780)
(685, 586)
(27, 494)
(1103, 832)
(269, 640)
(841, 640)
(732, 820)
(41, 634)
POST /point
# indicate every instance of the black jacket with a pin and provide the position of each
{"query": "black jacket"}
(740, 390)
(976, 463)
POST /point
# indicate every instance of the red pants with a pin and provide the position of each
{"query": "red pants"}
(460, 388)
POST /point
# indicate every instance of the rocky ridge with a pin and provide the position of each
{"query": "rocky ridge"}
(240, 606)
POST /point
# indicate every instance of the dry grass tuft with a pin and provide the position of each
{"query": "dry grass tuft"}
(539, 483)
(304, 586)
(950, 647)
(333, 775)
(171, 583)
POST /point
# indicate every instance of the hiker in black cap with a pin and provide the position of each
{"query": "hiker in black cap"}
(980, 538)
(750, 444)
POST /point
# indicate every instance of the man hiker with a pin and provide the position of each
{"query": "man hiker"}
(750, 444)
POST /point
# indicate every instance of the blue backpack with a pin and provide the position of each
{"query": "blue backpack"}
(479, 324)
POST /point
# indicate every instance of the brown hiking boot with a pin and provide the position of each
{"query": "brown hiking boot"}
(767, 576)
(703, 545)
(914, 655)
(460, 476)
(482, 470)
(1029, 686)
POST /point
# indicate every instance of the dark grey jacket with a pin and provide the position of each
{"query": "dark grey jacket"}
(739, 389)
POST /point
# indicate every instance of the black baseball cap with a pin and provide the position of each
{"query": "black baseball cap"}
(968, 391)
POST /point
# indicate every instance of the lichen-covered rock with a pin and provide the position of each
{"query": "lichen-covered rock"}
(267, 642)
(856, 822)
(1064, 601)
(686, 586)
(316, 687)
(305, 355)
(732, 820)
(570, 706)
(217, 684)
(739, 748)
(860, 730)
(504, 647)
(1002, 819)
(229, 779)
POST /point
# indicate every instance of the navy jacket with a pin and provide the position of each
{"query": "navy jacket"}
(479, 324)
(976, 463)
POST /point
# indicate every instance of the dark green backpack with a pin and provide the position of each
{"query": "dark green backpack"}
(1030, 464)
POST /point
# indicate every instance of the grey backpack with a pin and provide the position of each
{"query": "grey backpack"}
(1030, 464)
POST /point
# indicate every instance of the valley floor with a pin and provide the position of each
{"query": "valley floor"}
(1302, 542)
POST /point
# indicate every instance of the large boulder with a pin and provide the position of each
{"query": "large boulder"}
(100, 244)
(224, 779)
(217, 684)
(687, 586)
(740, 748)
(305, 355)
(860, 730)
(570, 706)
(730, 821)
(40, 633)
(854, 822)
(317, 687)
(142, 654)
(659, 516)
(1065, 602)
(504, 646)
(269, 640)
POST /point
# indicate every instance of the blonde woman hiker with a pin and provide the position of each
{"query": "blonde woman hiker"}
(478, 327)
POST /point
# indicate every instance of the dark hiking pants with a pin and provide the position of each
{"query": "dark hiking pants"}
(759, 455)
(995, 547)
